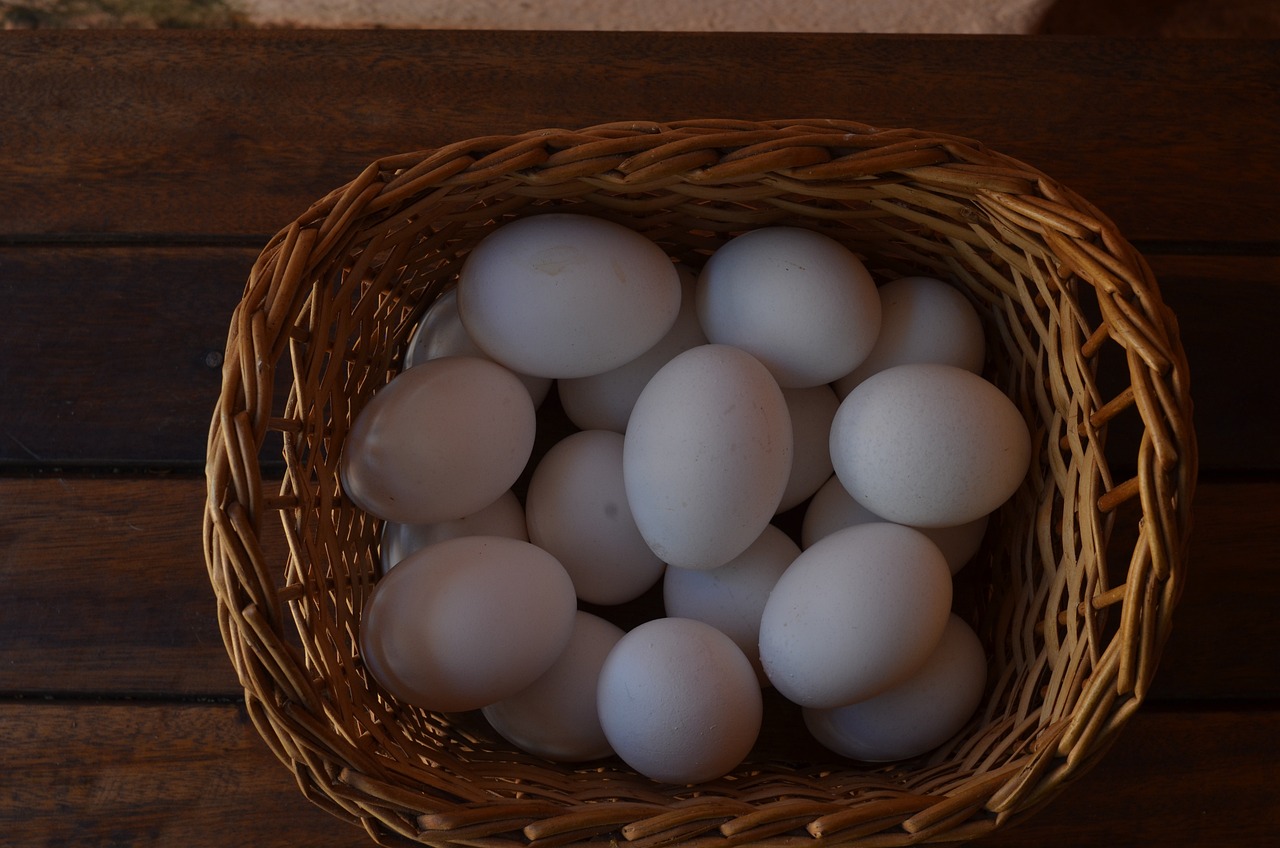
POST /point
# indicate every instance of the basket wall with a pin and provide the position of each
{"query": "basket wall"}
(1072, 594)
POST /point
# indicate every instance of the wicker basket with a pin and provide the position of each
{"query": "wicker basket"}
(1072, 594)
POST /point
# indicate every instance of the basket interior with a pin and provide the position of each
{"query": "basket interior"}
(1042, 593)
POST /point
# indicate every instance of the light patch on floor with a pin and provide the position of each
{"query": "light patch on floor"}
(880, 16)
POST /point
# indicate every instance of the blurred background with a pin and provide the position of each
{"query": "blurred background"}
(1122, 18)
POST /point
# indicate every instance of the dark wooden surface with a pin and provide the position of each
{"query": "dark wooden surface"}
(141, 173)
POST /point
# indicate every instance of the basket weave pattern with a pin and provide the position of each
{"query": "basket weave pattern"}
(1072, 594)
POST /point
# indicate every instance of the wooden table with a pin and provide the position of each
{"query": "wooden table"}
(140, 173)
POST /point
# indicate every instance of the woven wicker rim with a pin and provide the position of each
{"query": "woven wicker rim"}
(1076, 583)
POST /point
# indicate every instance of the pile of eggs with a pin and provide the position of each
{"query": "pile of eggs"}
(704, 406)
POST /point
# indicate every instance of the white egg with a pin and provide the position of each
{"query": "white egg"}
(467, 622)
(855, 615)
(929, 445)
(958, 544)
(731, 598)
(922, 320)
(799, 301)
(441, 440)
(679, 702)
(565, 295)
(707, 456)
(833, 508)
(918, 714)
(576, 509)
(503, 517)
(812, 411)
(440, 333)
(604, 401)
(556, 716)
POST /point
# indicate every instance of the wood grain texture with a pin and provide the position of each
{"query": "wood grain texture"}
(107, 589)
(107, 592)
(236, 133)
(150, 775)
(1223, 643)
(1175, 778)
(116, 352)
(196, 775)
(107, 344)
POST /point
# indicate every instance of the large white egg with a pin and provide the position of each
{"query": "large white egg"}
(604, 401)
(922, 320)
(441, 440)
(440, 333)
(833, 508)
(566, 295)
(707, 456)
(731, 598)
(918, 714)
(855, 615)
(576, 508)
(679, 702)
(503, 517)
(929, 445)
(467, 622)
(812, 411)
(798, 300)
(556, 716)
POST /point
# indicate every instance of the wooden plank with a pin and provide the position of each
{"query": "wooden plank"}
(107, 592)
(236, 133)
(1223, 642)
(1173, 779)
(116, 353)
(198, 776)
(150, 775)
